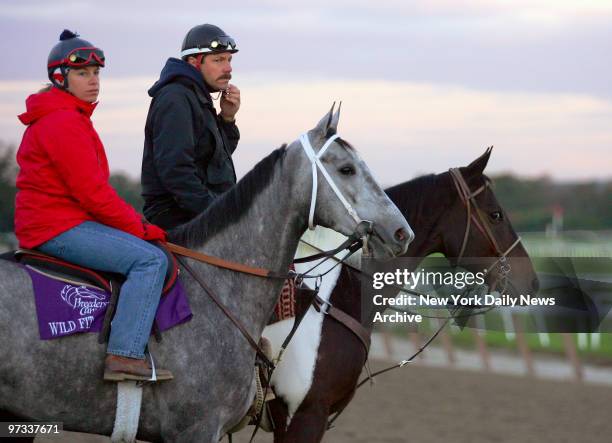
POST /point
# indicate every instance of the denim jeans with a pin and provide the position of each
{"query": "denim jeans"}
(104, 248)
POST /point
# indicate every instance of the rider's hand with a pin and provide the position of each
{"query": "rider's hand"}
(152, 232)
(230, 103)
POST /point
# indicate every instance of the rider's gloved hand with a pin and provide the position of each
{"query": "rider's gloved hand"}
(152, 232)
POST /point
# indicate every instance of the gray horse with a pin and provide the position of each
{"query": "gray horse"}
(258, 223)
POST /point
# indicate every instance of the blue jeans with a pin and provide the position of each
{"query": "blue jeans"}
(104, 248)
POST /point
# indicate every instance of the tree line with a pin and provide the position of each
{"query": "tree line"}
(529, 202)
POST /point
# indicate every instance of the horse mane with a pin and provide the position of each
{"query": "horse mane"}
(409, 196)
(231, 206)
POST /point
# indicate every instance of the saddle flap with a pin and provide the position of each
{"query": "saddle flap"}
(66, 271)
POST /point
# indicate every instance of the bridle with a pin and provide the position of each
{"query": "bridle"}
(315, 161)
(475, 216)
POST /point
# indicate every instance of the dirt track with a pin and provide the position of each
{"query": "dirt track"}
(420, 404)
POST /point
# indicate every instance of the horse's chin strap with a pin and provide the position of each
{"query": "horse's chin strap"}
(315, 160)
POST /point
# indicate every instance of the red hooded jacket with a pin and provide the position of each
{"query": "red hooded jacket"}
(63, 177)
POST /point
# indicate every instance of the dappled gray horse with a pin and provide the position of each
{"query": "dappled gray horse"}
(257, 223)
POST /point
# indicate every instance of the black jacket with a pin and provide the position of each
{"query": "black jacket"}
(187, 159)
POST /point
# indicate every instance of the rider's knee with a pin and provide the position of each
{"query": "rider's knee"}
(156, 258)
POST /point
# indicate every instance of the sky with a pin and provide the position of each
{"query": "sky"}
(425, 85)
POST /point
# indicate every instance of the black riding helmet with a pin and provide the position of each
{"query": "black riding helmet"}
(204, 39)
(71, 52)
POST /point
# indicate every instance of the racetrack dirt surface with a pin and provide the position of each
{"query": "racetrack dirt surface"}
(423, 404)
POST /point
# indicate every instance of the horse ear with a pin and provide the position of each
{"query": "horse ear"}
(335, 119)
(325, 123)
(478, 166)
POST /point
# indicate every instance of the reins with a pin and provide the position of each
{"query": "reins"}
(225, 264)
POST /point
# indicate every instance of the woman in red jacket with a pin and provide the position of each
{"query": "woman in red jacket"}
(65, 206)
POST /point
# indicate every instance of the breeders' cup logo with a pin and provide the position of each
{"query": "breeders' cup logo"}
(83, 299)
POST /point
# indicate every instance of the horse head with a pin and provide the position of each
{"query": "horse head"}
(342, 192)
(478, 233)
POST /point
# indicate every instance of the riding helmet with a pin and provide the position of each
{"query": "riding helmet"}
(207, 38)
(71, 52)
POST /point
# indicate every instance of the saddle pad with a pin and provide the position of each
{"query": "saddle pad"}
(65, 309)
(285, 307)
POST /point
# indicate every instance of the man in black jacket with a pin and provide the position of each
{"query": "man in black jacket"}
(187, 159)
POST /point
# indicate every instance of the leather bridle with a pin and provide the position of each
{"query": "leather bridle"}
(475, 216)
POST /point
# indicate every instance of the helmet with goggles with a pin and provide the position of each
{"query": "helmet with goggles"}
(204, 39)
(71, 52)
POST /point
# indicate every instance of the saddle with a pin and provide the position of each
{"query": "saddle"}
(73, 274)
(76, 274)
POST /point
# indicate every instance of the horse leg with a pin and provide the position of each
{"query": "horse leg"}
(279, 414)
(307, 425)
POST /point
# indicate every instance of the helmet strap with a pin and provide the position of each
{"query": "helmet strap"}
(60, 80)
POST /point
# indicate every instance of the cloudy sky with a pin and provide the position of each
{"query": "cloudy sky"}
(425, 84)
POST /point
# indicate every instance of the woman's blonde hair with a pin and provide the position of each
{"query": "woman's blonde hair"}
(46, 88)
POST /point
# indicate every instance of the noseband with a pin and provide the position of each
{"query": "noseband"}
(475, 216)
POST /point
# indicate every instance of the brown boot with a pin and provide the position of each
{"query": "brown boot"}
(118, 368)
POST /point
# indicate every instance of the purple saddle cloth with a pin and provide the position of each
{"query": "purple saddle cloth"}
(65, 309)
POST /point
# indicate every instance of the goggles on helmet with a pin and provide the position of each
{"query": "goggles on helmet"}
(219, 44)
(79, 57)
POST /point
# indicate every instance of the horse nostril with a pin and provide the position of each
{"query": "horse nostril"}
(401, 235)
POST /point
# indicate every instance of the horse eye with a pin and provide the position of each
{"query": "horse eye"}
(347, 170)
(496, 216)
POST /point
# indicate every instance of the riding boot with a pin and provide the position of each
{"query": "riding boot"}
(118, 368)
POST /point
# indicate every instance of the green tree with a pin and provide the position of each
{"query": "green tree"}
(530, 202)
(128, 189)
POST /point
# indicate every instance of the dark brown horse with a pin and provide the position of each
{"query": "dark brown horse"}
(310, 389)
